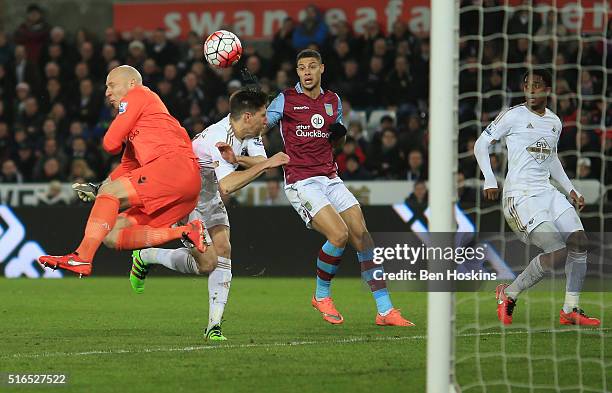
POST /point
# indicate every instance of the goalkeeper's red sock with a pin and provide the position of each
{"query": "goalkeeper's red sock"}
(144, 236)
(101, 221)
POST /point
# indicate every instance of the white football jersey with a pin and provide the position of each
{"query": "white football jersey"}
(532, 141)
(209, 156)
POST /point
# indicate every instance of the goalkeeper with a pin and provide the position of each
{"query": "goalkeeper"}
(220, 149)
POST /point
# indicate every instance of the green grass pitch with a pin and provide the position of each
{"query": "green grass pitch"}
(108, 339)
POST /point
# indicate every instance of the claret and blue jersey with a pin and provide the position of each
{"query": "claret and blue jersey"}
(304, 126)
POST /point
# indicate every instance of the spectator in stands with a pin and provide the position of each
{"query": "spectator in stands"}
(25, 161)
(30, 118)
(374, 82)
(282, 43)
(24, 70)
(33, 32)
(311, 30)
(417, 201)
(350, 84)
(80, 172)
(53, 196)
(10, 173)
(468, 164)
(89, 103)
(354, 170)
(385, 160)
(583, 169)
(400, 86)
(7, 49)
(412, 133)
(136, 54)
(464, 194)
(417, 169)
(350, 148)
(274, 196)
(50, 170)
(192, 93)
(6, 141)
(50, 151)
(162, 50)
(221, 109)
(356, 132)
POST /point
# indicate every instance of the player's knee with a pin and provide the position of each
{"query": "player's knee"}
(339, 237)
(206, 262)
(577, 241)
(224, 249)
(362, 240)
(110, 241)
(553, 260)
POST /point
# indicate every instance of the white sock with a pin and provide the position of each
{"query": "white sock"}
(575, 270)
(179, 259)
(219, 282)
(532, 274)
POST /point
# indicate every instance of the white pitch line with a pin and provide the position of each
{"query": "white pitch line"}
(290, 344)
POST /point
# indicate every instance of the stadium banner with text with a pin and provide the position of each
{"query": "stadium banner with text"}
(254, 194)
(261, 19)
(273, 242)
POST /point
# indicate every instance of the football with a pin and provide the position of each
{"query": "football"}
(222, 49)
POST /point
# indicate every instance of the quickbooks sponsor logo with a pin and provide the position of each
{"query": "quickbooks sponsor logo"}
(312, 134)
(303, 130)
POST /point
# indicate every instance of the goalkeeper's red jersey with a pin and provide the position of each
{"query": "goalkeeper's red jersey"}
(147, 128)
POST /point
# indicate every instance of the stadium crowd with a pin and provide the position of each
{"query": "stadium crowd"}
(53, 112)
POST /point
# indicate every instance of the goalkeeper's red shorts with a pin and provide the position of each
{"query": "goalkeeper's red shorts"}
(168, 188)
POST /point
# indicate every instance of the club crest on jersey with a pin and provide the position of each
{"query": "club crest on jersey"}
(540, 150)
(122, 107)
(317, 121)
(329, 109)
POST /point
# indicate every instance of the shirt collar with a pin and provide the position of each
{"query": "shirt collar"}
(299, 89)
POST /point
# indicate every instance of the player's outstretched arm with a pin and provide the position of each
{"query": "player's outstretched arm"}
(236, 180)
(558, 174)
(481, 151)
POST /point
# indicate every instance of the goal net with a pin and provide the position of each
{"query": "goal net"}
(499, 41)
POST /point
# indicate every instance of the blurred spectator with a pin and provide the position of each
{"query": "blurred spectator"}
(6, 141)
(356, 132)
(464, 194)
(374, 82)
(583, 169)
(50, 170)
(282, 43)
(10, 173)
(400, 87)
(274, 195)
(417, 201)
(136, 54)
(88, 56)
(7, 49)
(349, 84)
(162, 50)
(33, 32)
(468, 164)
(385, 160)
(53, 196)
(25, 161)
(89, 103)
(24, 69)
(354, 169)
(417, 170)
(80, 172)
(50, 152)
(311, 30)
(350, 148)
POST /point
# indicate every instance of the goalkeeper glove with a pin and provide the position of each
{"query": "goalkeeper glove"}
(86, 191)
(336, 132)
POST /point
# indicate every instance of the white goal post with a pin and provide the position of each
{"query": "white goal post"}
(444, 66)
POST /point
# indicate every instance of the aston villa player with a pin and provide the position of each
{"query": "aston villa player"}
(310, 121)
